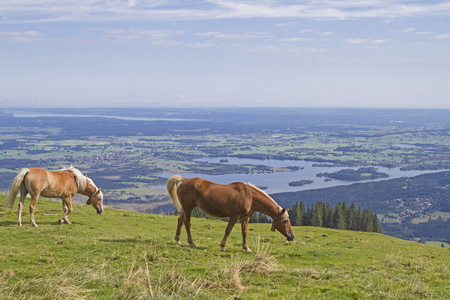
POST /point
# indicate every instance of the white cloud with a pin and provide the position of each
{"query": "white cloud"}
(21, 36)
(305, 50)
(173, 43)
(200, 45)
(255, 48)
(128, 35)
(356, 41)
(424, 32)
(236, 36)
(166, 43)
(365, 41)
(327, 33)
(295, 39)
(378, 41)
(286, 24)
(318, 50)
(409, 29)
(23, 11)
(442, 36)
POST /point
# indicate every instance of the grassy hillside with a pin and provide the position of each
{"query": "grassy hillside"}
(127, 255)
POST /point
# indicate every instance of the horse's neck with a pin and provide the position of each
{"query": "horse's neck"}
(88, 190)
(266, 205)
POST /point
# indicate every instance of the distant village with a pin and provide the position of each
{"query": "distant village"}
(416, 207)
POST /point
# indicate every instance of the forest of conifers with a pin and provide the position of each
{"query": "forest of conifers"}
(322, 214)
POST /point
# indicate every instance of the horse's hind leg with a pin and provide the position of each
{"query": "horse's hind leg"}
(34, 199)
(187, 223)
(230, 226)
(180, 224)
(23, 194)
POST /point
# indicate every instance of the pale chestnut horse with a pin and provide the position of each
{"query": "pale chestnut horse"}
(237, 201)
(63, 184)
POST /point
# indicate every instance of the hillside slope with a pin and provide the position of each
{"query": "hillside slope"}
(127, 255)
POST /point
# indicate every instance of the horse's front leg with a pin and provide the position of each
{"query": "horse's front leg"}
(244, 226)
(67, 208)
(230, 225)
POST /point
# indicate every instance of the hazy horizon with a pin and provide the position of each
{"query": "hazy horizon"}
(9, 108)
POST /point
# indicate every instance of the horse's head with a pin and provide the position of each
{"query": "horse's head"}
(96, 199)
(282, 223)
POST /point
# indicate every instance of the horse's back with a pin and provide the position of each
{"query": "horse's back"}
(195, 187)
(49, 183)
(216, 199)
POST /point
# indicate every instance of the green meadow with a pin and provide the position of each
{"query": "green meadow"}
(129, 255)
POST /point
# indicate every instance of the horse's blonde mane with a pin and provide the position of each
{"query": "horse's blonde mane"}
(80, 179)
(263, 192)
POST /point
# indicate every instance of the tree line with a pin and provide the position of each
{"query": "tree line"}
(320, 214)
(342, 216)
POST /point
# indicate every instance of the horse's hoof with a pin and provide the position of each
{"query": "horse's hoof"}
(248, 250)
(178, 243)
(192, 245)
(222, 249)
(34, 225)
(60, 221)
(19, 224)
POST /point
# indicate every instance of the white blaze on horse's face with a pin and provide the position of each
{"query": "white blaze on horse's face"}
(96, 199)
(283, 225)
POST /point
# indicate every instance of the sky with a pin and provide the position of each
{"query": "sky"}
(224, 53)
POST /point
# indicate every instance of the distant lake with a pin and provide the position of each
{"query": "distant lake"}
(278, 182)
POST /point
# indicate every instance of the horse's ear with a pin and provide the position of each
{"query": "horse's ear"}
(288, 209)
(283, 211)
(99, 189)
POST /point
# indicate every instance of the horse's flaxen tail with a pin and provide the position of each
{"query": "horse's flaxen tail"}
(15, 187)
(172, 184)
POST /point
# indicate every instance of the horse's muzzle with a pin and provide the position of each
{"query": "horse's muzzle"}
(290, 237)
(99, 210)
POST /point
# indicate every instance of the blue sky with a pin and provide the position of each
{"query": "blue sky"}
(316, 53)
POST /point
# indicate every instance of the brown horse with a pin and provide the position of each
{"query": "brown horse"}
(63, 184)
(237, 200)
